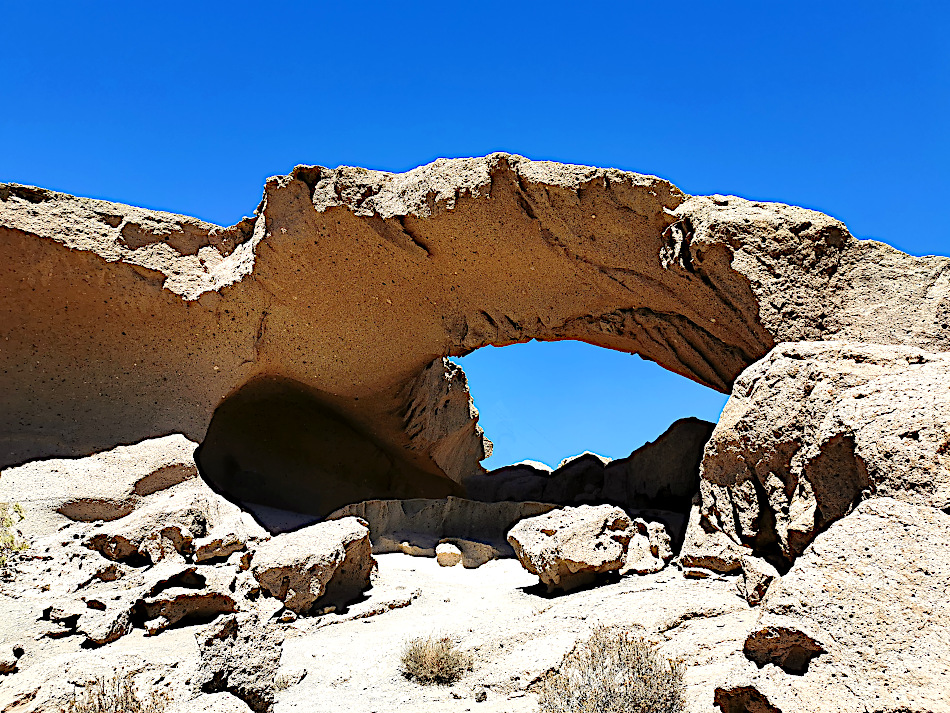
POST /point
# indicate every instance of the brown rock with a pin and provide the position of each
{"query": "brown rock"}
(328, 563)
(815, 427)
(348, 285)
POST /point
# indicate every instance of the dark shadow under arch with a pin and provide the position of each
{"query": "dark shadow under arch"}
(276, 442)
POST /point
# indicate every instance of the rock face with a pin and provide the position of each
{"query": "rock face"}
(479, 530)
(815, 427)
(569, 547)
(344, 292)
(660, 475)
(858, 623)
(240, 655)
(326, 564)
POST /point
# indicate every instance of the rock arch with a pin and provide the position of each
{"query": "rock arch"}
(121, 323)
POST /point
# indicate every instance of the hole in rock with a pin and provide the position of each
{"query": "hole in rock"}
(284, 452)
(547, 401)
(543, 402)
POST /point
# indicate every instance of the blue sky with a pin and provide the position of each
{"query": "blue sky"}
(188, 107)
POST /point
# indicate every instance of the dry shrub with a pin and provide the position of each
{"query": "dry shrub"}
(434, 660)
(614, 672)
(10, 539)
(117, 695)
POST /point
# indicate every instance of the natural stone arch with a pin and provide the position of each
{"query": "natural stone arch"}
(122, 323)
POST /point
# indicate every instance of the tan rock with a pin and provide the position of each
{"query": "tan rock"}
(708, 549)
(815, 427)
(328, 563)
(757, 576)
(240, 655)
(567, 548)
(447, 554)
(858, 621)
(347, 285)
(416, 526)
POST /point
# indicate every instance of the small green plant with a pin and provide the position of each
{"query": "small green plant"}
(117, 695)
(10, 540)
(614, 672)
(434, 660)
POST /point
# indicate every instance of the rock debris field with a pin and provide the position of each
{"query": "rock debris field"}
(241, 473)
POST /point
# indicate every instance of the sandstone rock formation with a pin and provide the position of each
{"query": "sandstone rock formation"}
(815, 427)
(569, 547)
(479, 530)
(240, 655)
(858, 623)
(662, 475)
(346, 289)
(327, 564)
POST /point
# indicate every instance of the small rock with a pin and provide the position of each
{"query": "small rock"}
(481, 697)
(757, 575)
(448, 555)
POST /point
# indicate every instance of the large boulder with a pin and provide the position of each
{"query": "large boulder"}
(815, 427)
(569, 547)
(340, 297)
(328, 563)
(859, 622)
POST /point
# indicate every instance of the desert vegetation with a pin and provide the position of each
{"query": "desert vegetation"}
(10, 540)
(431, 660)
(614, 672)
(116, 695)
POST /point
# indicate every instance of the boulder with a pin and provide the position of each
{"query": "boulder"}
(569, 547)
(328, 563)
(447, 554)
(757, 576)
(815, 427)
(858, 621)
(339, 298)
(417, 526)
(705, 548)
(240, 655)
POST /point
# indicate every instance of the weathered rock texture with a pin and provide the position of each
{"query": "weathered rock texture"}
(569, 547)
(859, 622)
(417, 526)
(662, 474)
(347, 285)
(815, 427)
(327, 564)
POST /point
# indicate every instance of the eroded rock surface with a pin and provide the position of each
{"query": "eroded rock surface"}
(417, 526)
(815, 427)
(326, 564)
(349, 285)
(858, 622)
(567, 548)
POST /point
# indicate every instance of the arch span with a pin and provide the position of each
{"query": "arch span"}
(356, 283)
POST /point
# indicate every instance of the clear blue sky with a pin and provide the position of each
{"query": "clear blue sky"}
(188, 107)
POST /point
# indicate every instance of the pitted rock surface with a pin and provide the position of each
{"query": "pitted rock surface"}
(347, 285)
(814, 428)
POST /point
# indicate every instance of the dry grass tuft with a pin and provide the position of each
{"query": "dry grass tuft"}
(614, 672)
(117, 695)
(10, 540)
(432, 660)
